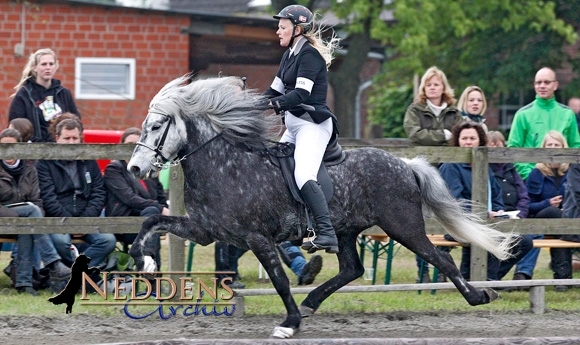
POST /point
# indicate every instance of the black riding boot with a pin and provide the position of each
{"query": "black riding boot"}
(325, 235)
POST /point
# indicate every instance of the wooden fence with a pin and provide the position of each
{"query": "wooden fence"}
(479, 158)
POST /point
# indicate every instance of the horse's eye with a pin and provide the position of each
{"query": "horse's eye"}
(155, 127)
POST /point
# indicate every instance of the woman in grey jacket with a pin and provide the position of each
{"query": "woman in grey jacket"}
(429, 119)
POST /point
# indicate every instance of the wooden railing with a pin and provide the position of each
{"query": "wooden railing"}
(479, 158)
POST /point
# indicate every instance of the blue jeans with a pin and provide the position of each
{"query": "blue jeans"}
(496, 269)
(27, 244)
(292, 257)
(97, 247)
(527, 264)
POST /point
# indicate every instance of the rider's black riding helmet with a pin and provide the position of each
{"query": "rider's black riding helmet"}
(298, 15)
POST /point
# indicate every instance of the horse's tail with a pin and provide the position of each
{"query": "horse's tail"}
(463, 225)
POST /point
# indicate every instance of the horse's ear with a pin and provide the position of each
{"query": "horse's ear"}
(187, 79)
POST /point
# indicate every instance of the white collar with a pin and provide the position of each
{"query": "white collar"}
(436, 109)
(300, 40)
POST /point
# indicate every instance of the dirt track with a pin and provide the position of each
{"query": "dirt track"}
(88, 329)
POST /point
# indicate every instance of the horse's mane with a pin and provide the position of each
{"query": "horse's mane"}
(237, 113)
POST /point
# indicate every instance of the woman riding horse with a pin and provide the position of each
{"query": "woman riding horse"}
(302, 79)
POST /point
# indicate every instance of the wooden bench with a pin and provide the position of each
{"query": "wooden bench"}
(383, 245)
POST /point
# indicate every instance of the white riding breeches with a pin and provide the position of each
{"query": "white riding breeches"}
(311, 140)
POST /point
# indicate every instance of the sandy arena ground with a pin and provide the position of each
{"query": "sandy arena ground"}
(88, 329)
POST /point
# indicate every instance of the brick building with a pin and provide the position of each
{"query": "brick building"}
(114, 59)
(150, 41)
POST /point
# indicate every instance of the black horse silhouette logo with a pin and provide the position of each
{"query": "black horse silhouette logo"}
(67, 295)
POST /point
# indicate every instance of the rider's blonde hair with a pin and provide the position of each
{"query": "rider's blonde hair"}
(326, 48)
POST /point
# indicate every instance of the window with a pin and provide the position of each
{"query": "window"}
(105, 78)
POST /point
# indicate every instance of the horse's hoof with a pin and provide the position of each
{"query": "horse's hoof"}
(491, 294)
(149, 264)
(282, 332)
(306, 311)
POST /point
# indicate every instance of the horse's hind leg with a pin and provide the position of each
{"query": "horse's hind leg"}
(267, 254)
(350, 268)
(143, 248)
(414, 239)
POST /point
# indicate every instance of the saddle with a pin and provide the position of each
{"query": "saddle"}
(282, 156)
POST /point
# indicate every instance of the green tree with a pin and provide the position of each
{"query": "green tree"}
(360, 16)
(389, 106)
(495, 43)
(498, 45)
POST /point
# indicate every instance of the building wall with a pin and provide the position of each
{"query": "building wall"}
(152, 38)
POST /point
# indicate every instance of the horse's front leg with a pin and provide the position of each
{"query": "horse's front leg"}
(143, 248)
(266, 253)
(350, 268)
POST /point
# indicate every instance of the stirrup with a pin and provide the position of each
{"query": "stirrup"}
(312, 247)
(309, 244)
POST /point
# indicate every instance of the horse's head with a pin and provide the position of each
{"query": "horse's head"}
(191, 114)
(163, 133)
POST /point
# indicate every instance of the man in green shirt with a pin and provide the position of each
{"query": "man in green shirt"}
(533, 121)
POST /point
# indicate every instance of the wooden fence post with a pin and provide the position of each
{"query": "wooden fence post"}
(479, 197)
(177, 207)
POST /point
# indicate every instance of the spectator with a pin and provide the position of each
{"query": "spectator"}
(458, 177)
(428, 122)
(294, 259)
(74, 189)
(20, 193)
(24, 127)
(532, 122)
(571, 203)
(546, 186)
(127, 196)
(26, 130)
(574, 104)
(514, 191)
(472, 105)
(40, 97)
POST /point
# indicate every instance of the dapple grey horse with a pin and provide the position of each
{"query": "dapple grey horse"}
(219, 132)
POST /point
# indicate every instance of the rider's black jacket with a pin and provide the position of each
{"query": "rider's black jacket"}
(303, 62)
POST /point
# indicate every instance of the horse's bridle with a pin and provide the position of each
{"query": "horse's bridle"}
(160, 160)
